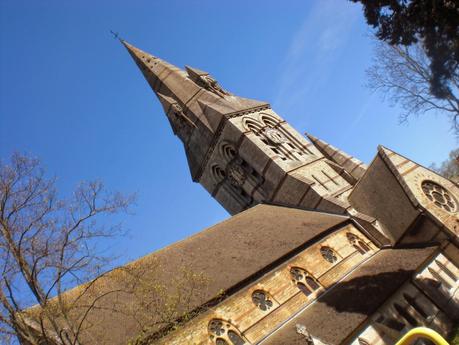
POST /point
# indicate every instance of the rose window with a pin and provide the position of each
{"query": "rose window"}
(261, 300)
(329, 254)
(223, 333)
(439, 196)
(216, 327)
(236, 174)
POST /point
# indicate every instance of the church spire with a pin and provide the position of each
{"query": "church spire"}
(352, 165)
(163, 77)
(194, 102)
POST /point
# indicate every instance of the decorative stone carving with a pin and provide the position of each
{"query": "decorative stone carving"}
(439, 196)
(179, 114)
(212, 85)
(301, 329)
(236, 174)
(328, 254)
(274, 136)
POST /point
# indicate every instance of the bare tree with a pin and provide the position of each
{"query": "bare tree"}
(47, 245)
(404, 75)
(450, 167)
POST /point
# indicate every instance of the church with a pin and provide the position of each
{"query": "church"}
(320, 248)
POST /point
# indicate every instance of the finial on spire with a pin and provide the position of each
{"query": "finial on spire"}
(116, 35)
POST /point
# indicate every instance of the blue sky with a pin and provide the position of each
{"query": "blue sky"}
(71, 95)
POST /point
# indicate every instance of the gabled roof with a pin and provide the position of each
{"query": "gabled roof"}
(230, 254)
(338, 312)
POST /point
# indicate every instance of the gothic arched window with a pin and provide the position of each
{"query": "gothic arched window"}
(445, 269)
(262, 300)
(439, 278)
(224, 333)
(412, 301)
(329, 254)
(405, 314)
(357, 243)
(363, 341)
(218, 173)
(304, 289)
(304, 281)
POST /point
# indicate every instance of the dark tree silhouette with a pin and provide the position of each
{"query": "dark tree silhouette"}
(433, 23)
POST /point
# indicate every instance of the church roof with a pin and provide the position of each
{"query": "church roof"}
(342, 309)
(230, 254)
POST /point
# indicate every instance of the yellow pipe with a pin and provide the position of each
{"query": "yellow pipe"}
(422, 332)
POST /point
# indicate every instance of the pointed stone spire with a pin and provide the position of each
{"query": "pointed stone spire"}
(195, 104)
(352, 165)
(162, 76)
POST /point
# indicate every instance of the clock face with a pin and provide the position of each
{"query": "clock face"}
(439, 196)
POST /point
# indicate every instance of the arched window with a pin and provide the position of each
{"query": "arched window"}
(405, 314)
(357, 243)
(439, 278)
(222, 332)
(312, 283)
(412, 301)
(303, 289)
(270, 136)
(329, 254)
(253, 125)
(445, 269)
(235, 338)
(363, 341)
(228, 151)
(303, 280)
(391, 323)
(261, 299)
(218, 173)
(269, 120)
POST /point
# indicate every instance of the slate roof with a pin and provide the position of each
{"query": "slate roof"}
(230, 254)
(339, 311)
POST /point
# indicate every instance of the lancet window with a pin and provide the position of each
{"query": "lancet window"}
(329, 254)
(222, 332)
(304, 281)
(271, 133)
(405, 314)
(412, 301)
(357, 243)
(391, 323)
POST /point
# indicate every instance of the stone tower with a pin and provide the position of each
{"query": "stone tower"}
(239, 149)
(323, 250)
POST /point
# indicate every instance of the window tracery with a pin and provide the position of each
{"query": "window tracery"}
(235, 175)
(304, 281)
(329, 254)
(262, 300)
(439, 196)
(357, 243)
(222, 332)
(271, 133)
